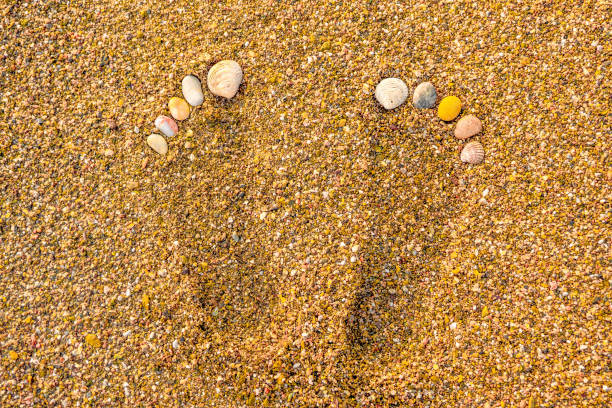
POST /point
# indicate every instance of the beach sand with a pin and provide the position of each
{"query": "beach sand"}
(299, 245)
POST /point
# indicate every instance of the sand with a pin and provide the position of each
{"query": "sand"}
(299, 245)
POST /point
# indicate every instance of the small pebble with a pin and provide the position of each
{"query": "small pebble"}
(467, 126)
(179, 108)
(157, 143)
(166, 125)
(192, 90)
(424, 96)
(449, 108)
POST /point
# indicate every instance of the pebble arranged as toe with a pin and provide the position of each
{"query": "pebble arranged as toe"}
(467, 126)
(224, 78)
(157, 143)
(391, 92)
(472, 153)
(449, 108)
(192, 90)
(166, 125)
(179, 108)
(424, 96)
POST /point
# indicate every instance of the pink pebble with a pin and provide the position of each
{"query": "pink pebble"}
(166, 125)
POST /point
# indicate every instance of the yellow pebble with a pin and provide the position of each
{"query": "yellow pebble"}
(532, 402)
(145, 301)
(13, 356)
(179, 109)
(449, 108)
(92, 340)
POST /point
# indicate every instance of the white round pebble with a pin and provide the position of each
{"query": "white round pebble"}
(192, 90)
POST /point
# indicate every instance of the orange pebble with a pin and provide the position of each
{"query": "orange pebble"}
(179, 108)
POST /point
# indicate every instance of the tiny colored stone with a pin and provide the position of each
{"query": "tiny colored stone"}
(92, 340)
(179, 108)
(13, 356)
(467, 126)
(424, 96)
(449, 108)
(145, 301)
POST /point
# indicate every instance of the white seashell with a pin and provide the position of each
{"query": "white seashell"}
(192, 90)
(472, 153)
(157, 143)
(224, 78)
(166, 125)
(391, 92)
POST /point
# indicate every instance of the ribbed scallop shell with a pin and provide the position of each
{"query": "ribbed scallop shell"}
(472, 153)
(391, 92)
(224, 78)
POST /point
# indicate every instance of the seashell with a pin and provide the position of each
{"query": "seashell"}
(472, 153)
(166, 125)
(424, 96)
(179, 109)
(157, 143)
(467, 126)
(192, 90)
(449, 108)
(391, 92)
(224, 78)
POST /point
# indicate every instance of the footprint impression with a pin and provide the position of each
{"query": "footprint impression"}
(310, 240)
